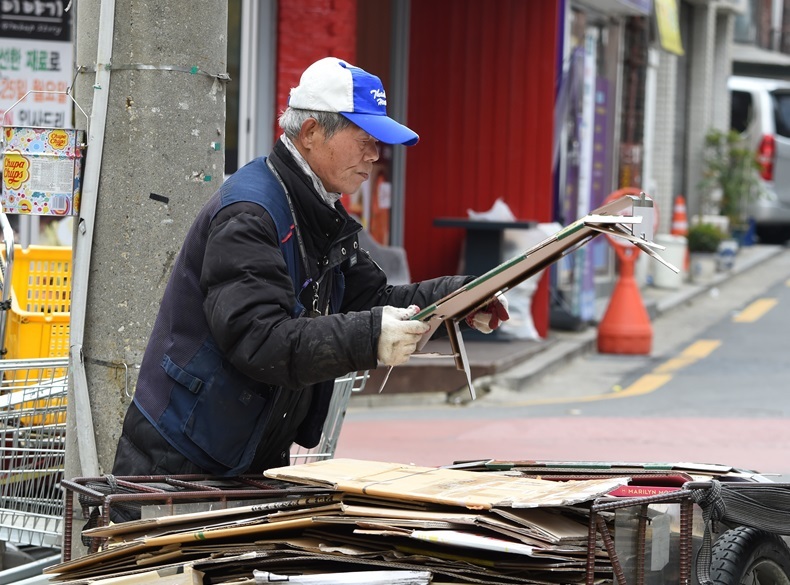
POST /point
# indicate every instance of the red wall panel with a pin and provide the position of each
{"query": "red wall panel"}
(308, 30)
(481, 96)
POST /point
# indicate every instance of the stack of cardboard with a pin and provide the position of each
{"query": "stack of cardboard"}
(393, 522)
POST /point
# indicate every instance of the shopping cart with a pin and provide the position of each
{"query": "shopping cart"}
(345, 386)
(32, 449)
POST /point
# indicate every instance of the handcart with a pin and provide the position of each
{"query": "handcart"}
(726, 529)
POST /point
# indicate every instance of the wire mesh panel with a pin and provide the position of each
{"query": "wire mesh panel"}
(32, 449)
(344, 387)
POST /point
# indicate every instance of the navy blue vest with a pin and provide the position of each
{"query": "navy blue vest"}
(210, 412)
(267, 192)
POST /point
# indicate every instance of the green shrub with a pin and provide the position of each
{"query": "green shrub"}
(731, 166)
(704, 237)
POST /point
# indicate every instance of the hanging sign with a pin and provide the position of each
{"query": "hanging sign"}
(668, 21)
(36, 55)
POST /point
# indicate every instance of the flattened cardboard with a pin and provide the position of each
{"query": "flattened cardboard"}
(547, 525)
(443, 486)
(607, 219)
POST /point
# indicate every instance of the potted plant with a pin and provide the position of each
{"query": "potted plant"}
(704, 240)
(730, 180)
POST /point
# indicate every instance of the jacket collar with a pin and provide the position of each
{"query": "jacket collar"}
(321, 225)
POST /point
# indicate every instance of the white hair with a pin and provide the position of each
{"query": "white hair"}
(291, 121)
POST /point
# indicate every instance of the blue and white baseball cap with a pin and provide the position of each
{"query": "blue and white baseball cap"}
(332, 85)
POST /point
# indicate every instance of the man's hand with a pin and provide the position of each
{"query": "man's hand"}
(399, 335)
(491, 316)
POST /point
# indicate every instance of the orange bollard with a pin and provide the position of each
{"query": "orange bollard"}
(680, 221)
(625, 327)
(680, 225)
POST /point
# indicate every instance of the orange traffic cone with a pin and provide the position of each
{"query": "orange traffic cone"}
(625, 327)
(680, 222)
(680, 225)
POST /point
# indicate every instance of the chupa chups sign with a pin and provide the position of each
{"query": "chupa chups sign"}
(42, 170)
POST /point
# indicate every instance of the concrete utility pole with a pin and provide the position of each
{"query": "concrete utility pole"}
(163, 156)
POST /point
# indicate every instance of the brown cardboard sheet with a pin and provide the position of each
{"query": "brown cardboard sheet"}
(443, 486)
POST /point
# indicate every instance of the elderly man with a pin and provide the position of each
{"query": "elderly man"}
(271, 297)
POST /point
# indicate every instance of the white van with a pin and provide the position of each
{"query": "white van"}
(760, 110)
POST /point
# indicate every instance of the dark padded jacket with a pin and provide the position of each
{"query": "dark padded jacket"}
(233, 373)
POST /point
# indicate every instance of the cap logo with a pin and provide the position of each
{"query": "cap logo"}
(379, 96)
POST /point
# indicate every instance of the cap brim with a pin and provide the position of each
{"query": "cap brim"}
(384, 128)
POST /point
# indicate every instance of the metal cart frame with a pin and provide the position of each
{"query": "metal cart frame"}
(32, 452)
(345, 386)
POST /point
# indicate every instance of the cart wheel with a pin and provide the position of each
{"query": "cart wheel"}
(748, 556)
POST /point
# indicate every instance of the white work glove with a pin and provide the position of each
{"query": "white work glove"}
(399, 335)
(491, 316)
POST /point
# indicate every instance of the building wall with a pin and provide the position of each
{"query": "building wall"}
(710, 64)
(664, 138)
(722, 68)
(700, 95)
(482, 79)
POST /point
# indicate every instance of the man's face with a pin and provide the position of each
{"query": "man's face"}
(344, 161)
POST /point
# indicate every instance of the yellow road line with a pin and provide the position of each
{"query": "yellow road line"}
(701, 349)
(663, 373)
(754, 311)
(645, 384)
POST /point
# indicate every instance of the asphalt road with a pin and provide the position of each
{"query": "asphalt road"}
(715, 389)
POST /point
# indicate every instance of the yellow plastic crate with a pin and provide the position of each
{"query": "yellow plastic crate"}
(38, 323)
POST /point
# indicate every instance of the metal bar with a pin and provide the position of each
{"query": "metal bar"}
(640, 545)
(68, 522)
(609, 544)
(685, 540)
(592, 533)
(27, 570)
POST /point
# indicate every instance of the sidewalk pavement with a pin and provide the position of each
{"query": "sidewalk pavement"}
(514, 365)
